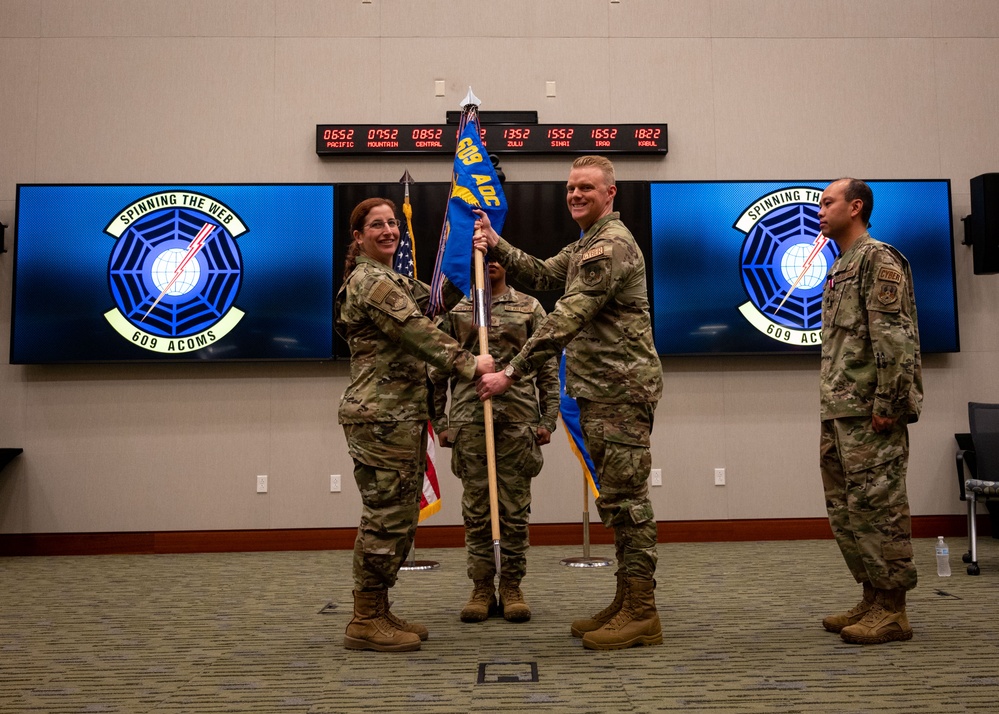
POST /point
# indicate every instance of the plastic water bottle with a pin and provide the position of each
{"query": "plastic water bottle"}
(943, 558)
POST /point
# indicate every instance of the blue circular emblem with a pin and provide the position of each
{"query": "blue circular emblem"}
(779, 256)
(175, 272)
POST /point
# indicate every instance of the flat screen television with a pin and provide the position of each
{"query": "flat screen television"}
(537, 221)
(172, 272)
(736, 269)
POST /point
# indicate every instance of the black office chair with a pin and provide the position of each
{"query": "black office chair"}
(982, 460)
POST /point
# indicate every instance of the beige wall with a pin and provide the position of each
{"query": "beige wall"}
(98, 91)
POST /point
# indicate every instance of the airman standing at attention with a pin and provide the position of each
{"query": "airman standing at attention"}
(871, 389)
(520, 429)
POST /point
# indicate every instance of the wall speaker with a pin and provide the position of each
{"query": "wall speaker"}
(982, 226)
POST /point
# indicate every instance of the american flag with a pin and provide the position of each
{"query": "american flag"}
(402, 262)
(430, 494)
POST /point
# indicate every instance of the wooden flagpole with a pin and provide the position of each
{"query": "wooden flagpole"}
(487, 406)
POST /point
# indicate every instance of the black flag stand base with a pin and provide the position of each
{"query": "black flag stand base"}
(586, 561)
(413, 564)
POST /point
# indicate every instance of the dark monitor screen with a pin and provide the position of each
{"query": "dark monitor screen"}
(726, 254)
(119, 273)
(537, 221)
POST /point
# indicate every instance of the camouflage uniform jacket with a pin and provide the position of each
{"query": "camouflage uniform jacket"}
(378, 311)
(870, 340)
(602, 319)
(515, 317)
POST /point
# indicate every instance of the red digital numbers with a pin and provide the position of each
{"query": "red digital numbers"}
(647, 133)
(338, 134)
(516, 133)
(383, 134)
(560, 132)
(422, 134)
(604, 133)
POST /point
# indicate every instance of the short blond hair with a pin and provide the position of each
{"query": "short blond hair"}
(598, 162)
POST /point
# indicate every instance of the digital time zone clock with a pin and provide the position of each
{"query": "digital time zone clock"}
(369, 139)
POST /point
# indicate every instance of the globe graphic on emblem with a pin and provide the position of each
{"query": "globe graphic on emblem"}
(793, 262)
(165, 266)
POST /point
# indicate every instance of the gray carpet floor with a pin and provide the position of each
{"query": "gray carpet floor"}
(262, 632)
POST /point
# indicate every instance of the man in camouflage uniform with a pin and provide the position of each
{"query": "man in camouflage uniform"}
(519, 429)
(613, 371)
(871, 389)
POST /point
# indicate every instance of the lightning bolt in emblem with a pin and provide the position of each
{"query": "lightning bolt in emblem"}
(817, 245)
(192, 250)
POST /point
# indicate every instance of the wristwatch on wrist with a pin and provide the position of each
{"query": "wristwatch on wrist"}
(510, 373)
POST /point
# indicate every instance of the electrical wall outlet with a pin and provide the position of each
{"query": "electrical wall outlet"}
(261, 484)
(656, 477)
(719, 477)
(334, 483)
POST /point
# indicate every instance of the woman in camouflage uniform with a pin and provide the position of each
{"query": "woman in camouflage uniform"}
(384, 413)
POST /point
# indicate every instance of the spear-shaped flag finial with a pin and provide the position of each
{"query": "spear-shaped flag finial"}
(406, 180)
(470, 100)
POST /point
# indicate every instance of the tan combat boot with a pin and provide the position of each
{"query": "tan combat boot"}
(886, 621)
(416, 628)
(512, 601)
(835, 623)
(482, 602)
(370, 629)
(595, 622)
(636, 623)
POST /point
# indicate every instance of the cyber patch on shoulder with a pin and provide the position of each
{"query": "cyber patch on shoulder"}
(593, 253)
(890, 274)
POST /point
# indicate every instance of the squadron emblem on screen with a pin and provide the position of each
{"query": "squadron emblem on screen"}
(175, 271)
(784, 261)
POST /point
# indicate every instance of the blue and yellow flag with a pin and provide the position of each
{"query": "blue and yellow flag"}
(570, 419)
(474, 184)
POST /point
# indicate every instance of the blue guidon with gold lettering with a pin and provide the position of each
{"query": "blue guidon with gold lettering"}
(175, 271)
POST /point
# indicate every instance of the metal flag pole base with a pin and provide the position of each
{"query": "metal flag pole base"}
(586, 561)
(496, 556)
(414, 564)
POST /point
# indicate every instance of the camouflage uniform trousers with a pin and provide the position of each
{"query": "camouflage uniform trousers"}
(518, 460)
(617, 437)
(389, 463)
(863, 475)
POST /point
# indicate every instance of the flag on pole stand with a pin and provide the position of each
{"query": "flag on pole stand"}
(404, 263)
(569, 411)
(474, 184)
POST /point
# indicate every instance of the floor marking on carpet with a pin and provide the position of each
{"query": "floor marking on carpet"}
(504, 672)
